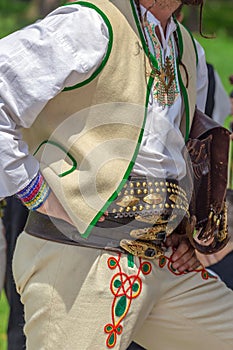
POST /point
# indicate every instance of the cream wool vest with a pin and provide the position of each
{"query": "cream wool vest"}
(88, 136)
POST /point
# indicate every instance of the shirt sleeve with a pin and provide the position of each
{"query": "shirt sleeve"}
(222, 106)
(202, 77)
(36, 63)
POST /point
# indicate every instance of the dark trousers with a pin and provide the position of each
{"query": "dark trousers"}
(224, 269)
(134, 346)
(14, 219)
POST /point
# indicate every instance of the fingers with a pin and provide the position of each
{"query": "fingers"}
(188, 262)
(184, 258)
(195, 265)
(102, 218)
(172, 240)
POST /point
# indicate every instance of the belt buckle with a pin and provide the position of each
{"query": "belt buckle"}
(154, 233)
(142, 249)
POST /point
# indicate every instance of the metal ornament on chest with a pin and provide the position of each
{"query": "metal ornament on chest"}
(163, 83)
(164, 76)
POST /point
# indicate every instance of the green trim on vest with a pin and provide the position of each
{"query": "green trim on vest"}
(186, 103)
(103, 63)
(128, 171)
(74, 166)
(183, 88)
(181, 46)
(149, 55)
(191, 36)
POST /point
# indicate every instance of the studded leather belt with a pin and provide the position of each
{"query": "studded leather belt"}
(143, 197)
(138, 221)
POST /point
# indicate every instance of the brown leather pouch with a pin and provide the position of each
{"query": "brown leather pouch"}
(208, 148)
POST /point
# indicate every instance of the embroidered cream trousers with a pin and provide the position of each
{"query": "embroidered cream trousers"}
(86, 299)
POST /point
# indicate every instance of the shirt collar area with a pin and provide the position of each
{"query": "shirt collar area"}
(171, 26)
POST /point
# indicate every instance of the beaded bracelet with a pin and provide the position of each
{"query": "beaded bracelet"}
(35, 193)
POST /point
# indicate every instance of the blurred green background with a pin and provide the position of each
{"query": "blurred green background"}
(217, 19)
(4, 310)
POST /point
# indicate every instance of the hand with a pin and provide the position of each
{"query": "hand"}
(102, 218)
(52, 207)
(184, 257)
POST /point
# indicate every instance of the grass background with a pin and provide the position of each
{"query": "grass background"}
(4, 312)
(219, 51)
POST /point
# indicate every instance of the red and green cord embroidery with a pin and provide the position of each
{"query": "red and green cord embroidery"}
(124, 288)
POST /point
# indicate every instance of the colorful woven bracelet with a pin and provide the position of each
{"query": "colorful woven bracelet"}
(35, 193)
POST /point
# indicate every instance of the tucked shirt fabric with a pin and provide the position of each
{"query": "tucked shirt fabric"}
(62, 50)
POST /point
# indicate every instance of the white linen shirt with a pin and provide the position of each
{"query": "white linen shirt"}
(62, 50)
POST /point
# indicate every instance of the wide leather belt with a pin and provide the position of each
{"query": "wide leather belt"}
(142, 197)
(138, 220)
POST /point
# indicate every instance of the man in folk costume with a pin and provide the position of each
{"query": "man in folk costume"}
(97, 102)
